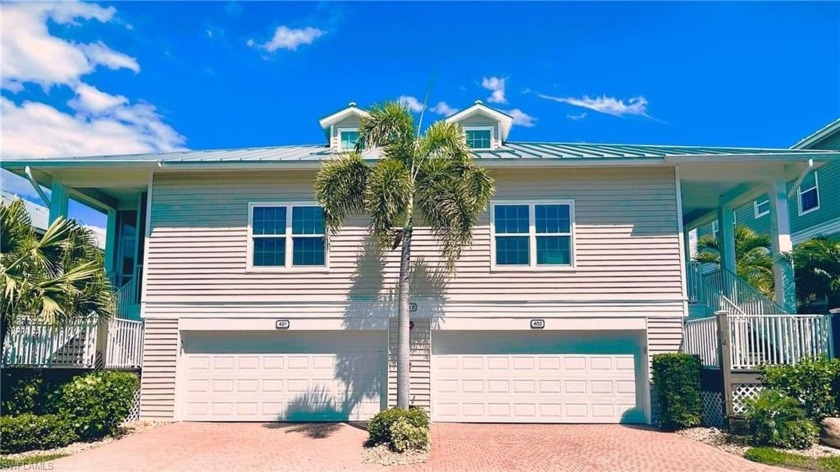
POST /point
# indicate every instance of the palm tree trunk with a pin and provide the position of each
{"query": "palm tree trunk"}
(403, 321)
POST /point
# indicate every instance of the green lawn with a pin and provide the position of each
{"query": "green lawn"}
(19, 463)
(770, 456)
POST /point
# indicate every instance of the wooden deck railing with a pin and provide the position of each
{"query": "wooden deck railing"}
(125, 344)
(30, 344)
(756, 340)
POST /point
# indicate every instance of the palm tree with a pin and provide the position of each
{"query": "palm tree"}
(818, 271)
(54, 279)
(429, 177)
(753, 260)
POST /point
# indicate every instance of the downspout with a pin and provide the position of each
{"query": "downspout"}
(36, 186)
(808, 166)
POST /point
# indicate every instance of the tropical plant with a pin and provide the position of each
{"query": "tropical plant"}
(817, 263)
(427, 177)
(54, 279)
(753, 260)
(775, 419)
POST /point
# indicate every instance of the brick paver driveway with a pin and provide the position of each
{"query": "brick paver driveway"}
(472, 447)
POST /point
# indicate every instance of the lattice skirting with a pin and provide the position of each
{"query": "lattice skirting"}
(741, 392)
(134, 413)
(712, 408)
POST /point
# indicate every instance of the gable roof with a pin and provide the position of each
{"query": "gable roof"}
(479, 108)
(334, 118)
(819, 135)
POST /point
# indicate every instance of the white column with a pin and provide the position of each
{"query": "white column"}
(781, 244)
(726, 236)
(59, 198)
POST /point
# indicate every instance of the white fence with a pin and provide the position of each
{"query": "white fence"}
(125, 344)
(778, 339)
(30, 344)
(74, 345)
(756, 340)
(701, 338)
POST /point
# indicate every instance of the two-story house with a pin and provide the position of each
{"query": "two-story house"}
(576, 276)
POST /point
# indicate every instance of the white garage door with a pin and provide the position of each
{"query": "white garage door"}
(283, 376)
(537, 377)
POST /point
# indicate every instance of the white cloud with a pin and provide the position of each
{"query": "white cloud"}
(521, 118)
(288, 38)
(608, 105)
(102, 54)
(442, 108)
(577, 117)
(97, 122)
(496, 85)
(31, 54)
(33, 130)
(411, 103)
(90, 99)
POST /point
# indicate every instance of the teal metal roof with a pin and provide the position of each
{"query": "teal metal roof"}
(509, 151)
(818, 135)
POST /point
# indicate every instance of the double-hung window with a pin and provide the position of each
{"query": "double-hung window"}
(287, 236)
(761, 206)
(809, 194)
(348, 137)
(533, 235)
(479, 137)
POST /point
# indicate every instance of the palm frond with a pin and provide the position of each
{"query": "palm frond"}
(387, 124)
(444, 141)
(387, 196)
(340, 188)
(15, 227)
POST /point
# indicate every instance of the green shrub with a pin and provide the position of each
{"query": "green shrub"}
(27, 431)
(23, 394)
(405, 436)
(96, 403)
(815, 383)
(676, 381)
(379, 429)
(775, 419)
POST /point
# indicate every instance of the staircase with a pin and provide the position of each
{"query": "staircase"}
(760, 331)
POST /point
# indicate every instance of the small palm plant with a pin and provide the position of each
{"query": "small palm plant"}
(753, 260)
(429, 178)
(54, 279)
(817, 264)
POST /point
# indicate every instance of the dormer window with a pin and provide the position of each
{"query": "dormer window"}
(479, 137)
(348, 137)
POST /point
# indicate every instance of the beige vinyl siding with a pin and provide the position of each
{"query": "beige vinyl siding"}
(160, 355)
(626, 244)
(420, 372)
(664, 335)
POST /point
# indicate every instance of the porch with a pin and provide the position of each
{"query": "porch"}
(91, 343)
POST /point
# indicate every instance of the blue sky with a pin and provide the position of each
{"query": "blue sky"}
(156, 76)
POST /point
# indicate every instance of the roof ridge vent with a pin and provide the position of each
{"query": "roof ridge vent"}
(351, 104)
(479, 102)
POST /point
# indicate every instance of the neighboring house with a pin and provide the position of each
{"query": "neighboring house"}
(40, 216)
(814, 204)
(576, 276)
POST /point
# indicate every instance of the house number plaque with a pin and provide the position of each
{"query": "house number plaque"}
(282, 324)
(537, 324)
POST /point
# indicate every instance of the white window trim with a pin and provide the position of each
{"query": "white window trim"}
(799, 193)
(344, 130)
(532, 237)
(288, 267)
(756, 212)
(492, 130)
(715, 229)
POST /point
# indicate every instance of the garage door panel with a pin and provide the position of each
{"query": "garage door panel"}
(341, 376)
(484, 384)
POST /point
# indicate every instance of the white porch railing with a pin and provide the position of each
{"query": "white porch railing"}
(756, 340)
(701, 338)
(125, 344)
(125, 297)
(694, 280)
(778, 339)
(41, 345)
(747, 298)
